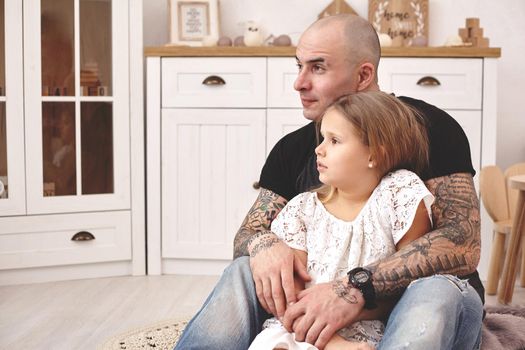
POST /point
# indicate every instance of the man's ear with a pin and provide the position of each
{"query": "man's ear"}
(366, 76)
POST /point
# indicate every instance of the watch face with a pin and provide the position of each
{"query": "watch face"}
(361, 277)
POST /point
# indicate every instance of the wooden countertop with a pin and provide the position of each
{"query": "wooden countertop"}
(289, 51)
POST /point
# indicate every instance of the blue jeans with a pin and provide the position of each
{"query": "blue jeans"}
(231, 317)
(437, 312)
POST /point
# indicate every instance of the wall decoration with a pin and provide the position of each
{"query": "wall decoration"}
(336, 7)
(402, 20)
(193, 21)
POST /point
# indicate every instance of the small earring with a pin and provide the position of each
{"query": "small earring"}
(371, 165)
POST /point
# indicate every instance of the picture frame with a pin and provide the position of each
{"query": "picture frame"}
(191, 21)
(402, 20)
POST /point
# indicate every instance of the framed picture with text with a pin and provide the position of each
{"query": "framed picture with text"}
(405, 21)
(191, 21)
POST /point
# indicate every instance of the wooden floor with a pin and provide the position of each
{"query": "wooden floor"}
(83, 314)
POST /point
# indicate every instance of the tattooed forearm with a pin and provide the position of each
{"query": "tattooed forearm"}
(453, 247)
(266, 207)
(342, 290)
(266, 241)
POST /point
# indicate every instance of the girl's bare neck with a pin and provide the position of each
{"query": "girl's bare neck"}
(346, 207)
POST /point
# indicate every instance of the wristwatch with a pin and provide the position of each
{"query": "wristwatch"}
(361, 279)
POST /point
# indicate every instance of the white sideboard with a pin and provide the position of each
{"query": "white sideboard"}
(214, 115)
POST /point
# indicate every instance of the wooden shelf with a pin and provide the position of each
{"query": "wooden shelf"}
(289, 51)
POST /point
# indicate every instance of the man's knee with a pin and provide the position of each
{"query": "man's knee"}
(440, 287)
(435, 312)
(239, 269)
(442, 280)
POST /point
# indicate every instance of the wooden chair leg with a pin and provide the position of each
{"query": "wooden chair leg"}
(522, 279)
(495, 264)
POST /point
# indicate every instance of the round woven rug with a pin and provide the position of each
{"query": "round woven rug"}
(160, 336)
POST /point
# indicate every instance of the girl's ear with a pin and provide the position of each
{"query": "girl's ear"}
(373, 158)
(366, 76)
(371, 162)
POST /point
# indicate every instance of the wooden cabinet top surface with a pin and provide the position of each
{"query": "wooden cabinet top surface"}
(289, 51)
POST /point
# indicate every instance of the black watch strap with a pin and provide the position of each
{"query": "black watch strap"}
(361, 279)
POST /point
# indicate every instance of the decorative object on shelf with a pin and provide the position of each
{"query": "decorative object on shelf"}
(336, 7)
(420, 41)
(224, 41)
(90, 81)
(193, 21)
(402, 20)
(239, 41)
(209, 40)
(454, 40)
(384, 40)
(282, 40)
(253, 34)
(473, 34)
(49, 189)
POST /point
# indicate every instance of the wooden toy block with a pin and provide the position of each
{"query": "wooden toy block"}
(463, 33)
(472, 22)
(472, 34)
(476, 32)
(479, 42)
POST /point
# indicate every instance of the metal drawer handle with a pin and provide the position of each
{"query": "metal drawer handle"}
(83, 236)
(256, 185)
(213, 80)
(428, 81)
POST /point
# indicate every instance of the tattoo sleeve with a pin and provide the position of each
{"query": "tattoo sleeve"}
(453, 247)
(258, 220)
(342, 290)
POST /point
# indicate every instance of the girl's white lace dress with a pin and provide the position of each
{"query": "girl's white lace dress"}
(335, 246)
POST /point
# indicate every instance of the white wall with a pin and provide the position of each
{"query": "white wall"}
(502, 22)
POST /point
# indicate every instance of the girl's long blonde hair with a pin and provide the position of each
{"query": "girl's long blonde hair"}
(394, 132)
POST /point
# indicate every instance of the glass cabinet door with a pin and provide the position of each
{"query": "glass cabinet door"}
(12, 177)
(77, 101)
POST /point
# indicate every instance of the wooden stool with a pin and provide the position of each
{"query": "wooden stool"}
(494, 196)
(512, 196)
(515, 242)
(500, 202)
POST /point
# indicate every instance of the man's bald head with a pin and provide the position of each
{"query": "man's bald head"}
(360, 38)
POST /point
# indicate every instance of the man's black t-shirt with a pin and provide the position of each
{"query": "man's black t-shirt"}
(291, 165)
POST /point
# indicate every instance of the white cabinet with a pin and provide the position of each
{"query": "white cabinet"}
(74, 141)
(210, 159)
(12, 183)
(198, 195)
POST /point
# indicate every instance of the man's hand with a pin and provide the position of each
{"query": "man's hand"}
(321, 310)
(273, 264)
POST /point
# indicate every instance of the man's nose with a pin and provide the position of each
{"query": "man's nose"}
(302, 82)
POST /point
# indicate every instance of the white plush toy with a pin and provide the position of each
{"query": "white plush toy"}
(384, 40)
(253, 35)
(454, 40)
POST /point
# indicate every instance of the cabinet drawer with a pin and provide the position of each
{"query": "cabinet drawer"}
(282, 72)
(459, 80)
(213, 82)
(46, 240)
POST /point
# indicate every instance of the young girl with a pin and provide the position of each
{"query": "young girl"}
(371, 204)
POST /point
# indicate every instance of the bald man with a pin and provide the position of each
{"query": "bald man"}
(336, 56)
